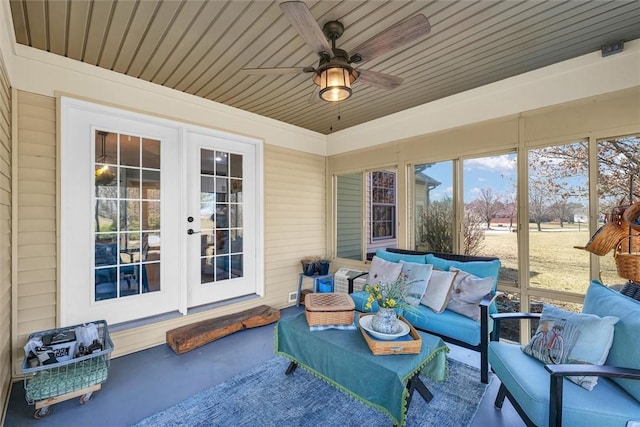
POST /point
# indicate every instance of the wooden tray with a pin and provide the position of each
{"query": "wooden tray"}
(329, 309)
(381, 347)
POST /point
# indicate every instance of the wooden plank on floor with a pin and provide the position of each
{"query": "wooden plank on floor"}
(190, 337)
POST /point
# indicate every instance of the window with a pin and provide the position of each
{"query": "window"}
(491, 211)
(618, 184)
(433, 204)
(558, 208)
(375, 201)
(383, 205)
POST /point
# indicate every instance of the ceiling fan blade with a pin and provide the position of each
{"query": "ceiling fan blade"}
(306, 25)
(393, 37)
(315, 96)
(276, 71)
(380, 80)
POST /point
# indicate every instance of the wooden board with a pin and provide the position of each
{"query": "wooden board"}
(189, 337)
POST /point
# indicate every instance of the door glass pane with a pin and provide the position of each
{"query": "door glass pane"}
(490, 211)
(618, 184)
(433, 201)
(221, 223)
(150, 153)
(558, 207)
(349, 216)
(120, 215)
(129, 150)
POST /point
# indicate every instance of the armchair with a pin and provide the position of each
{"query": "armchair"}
(539, 392)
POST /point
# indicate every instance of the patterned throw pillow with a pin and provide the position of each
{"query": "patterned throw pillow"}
(567, 337)
(467, 292)
(418, 276)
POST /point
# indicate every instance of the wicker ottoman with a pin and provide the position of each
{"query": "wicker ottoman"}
(329, 309)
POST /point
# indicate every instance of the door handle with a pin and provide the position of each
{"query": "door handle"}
(190, 232)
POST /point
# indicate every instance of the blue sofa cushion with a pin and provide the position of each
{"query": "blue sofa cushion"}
(567, 337)
(477, 268)
(417, 275)
(625, 350)
(447, 323)
(395, 257)
(528, 381)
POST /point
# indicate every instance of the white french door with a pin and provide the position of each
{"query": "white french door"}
(132, 186)
(221, 219)
(119, 253)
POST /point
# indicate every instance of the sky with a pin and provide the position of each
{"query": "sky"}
(496, 172)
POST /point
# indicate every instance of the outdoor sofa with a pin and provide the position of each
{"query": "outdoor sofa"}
(451, 326)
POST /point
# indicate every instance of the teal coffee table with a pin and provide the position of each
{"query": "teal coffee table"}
(343, 359)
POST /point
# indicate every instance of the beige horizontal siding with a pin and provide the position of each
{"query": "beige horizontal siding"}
(5, 237)
(36, 222)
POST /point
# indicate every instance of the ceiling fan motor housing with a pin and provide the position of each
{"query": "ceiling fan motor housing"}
(340, 60)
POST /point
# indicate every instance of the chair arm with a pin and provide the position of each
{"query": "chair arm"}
(350, 280)
(558, 372)
(598, 370)
(489, 298)
(508, 316)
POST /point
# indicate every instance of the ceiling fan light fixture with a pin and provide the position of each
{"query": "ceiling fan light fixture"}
(335, 84)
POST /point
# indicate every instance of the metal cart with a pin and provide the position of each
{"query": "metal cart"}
(81, 376)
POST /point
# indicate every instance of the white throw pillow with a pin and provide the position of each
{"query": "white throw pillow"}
(467, 292)
(438, 290)
(382, 271)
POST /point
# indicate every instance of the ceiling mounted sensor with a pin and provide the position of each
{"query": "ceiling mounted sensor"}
(335, 73)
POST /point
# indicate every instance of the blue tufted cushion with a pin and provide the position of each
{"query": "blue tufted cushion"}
(625, 350)
(525, 377)
(477, 268)
(394, 257)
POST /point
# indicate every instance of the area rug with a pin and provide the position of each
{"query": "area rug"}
(264, 396)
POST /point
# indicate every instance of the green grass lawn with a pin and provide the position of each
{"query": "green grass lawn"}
(554, 263)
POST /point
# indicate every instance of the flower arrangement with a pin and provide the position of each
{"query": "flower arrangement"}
(388, 295)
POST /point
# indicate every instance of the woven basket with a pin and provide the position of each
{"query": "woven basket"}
(631, 216)
(329, 309)
(605, 239)
(628, 263)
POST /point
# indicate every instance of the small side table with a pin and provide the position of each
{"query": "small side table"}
(315, 279)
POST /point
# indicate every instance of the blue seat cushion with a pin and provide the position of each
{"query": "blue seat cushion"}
(447, 323)
(477, 268)
(395, 257)
(625, 349)
(527, 380)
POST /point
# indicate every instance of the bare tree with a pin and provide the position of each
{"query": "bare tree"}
(488, 204)
(473, 233)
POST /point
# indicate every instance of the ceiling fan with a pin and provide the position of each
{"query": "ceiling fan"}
(335, 73)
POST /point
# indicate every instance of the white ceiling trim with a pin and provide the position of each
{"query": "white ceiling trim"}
(45, 73)
(574, 79)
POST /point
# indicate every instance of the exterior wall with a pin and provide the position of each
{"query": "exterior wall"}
(36, 220)
(295, 226)
(5, 236)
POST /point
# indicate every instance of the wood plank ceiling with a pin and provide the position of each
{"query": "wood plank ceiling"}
(200, 47)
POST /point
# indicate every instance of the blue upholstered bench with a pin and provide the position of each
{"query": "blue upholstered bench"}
(452, 327)
(541, 394)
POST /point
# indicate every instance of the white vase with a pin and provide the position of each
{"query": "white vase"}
(385, 321)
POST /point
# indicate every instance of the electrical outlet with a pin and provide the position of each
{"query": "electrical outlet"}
(293, 296)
